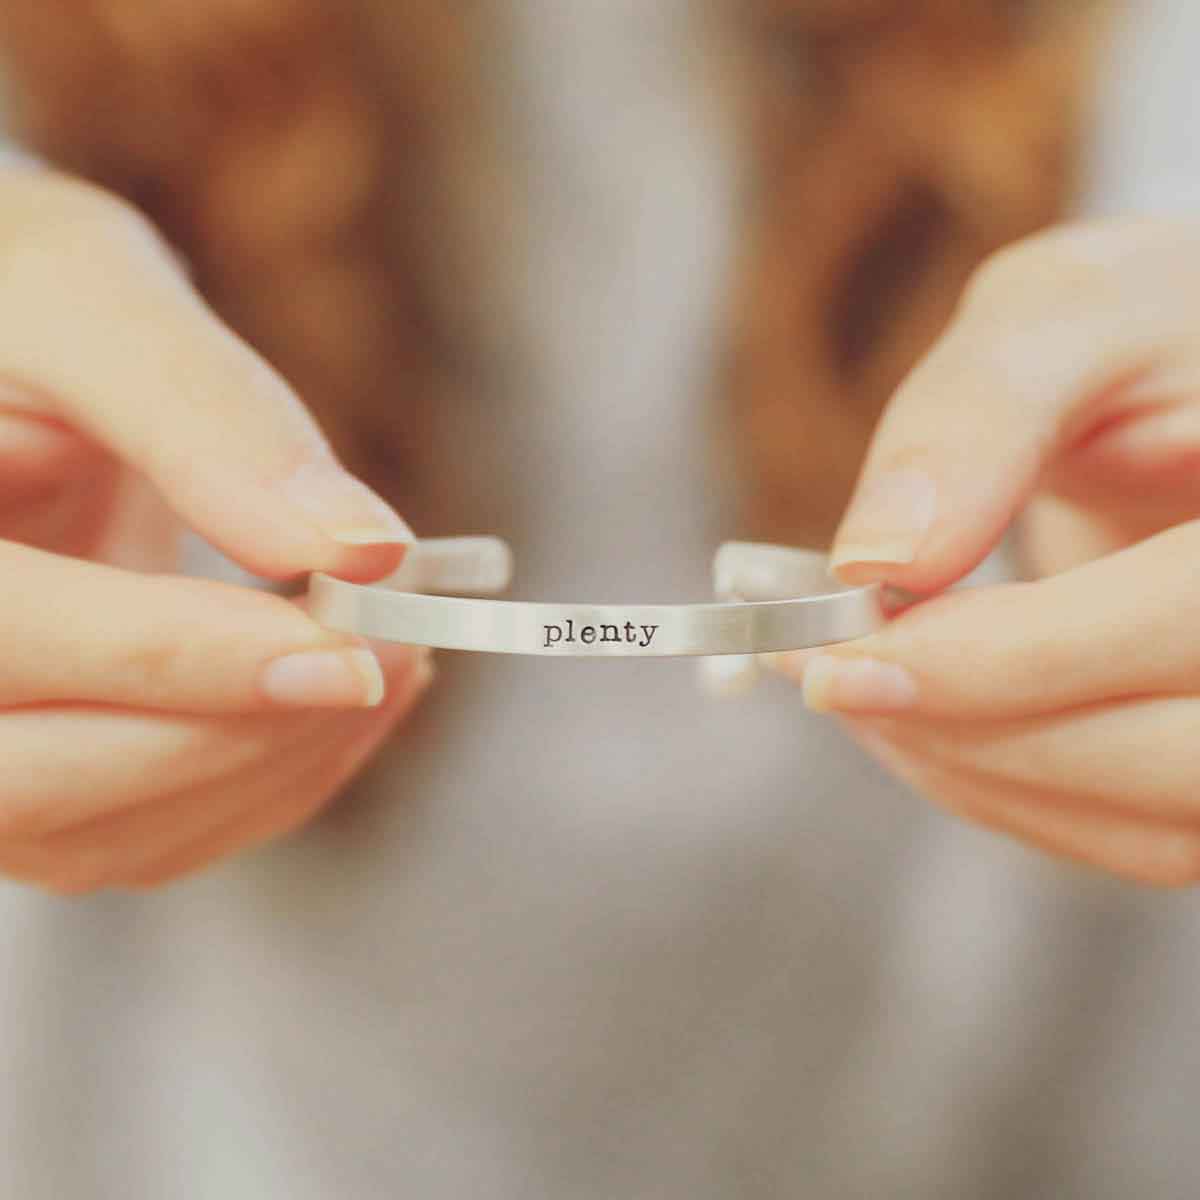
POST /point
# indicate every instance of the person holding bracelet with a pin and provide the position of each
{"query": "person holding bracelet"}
(578, 930)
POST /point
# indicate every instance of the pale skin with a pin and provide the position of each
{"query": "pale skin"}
(1064, 711)
(151, 725)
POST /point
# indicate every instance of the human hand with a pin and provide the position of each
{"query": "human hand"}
(1064, 711)
(150, 724)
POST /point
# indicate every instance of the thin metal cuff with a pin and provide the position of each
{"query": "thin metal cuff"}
(817, 614)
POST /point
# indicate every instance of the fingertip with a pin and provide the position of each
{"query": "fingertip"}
(318, 518)
(349, 512)
(887, 524)
(365, 562)
(948, 555)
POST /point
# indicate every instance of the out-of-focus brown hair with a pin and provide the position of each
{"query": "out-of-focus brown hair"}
(898, 143)
(296, 152)
(304, 154)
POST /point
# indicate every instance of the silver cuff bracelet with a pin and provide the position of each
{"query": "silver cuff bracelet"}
(771, 598)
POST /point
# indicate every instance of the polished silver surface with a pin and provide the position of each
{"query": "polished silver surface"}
(615, 630)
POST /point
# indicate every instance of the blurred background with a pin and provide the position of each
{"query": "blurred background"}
(615, 280)
(365, 188)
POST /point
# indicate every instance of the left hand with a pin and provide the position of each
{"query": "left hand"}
(1063, 711)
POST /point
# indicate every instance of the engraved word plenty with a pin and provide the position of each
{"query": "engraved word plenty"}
(629, 634)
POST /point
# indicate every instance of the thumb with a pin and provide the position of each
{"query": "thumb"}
(101, 331)
(1036, 360)
(1115, 628)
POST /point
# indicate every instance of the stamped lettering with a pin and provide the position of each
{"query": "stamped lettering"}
(567, 633)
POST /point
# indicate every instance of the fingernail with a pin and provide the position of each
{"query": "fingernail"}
(886, 524)
(324, 679)
(857, 685)
(345, 508)
(367, 535)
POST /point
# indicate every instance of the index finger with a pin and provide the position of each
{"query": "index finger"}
(1041, 353)
(104, 332)
(79, 632)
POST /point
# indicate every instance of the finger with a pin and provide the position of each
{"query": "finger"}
(112, 850)
(1155, 854)
(99, 850)
(63, 765)
(60, 766)
(1134, 757)
(87, 633)
(292, 807)
(1122, 625)
(155, 377)
(304, 759)
(1044, 350)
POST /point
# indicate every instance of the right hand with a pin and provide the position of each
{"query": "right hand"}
(149, 723)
